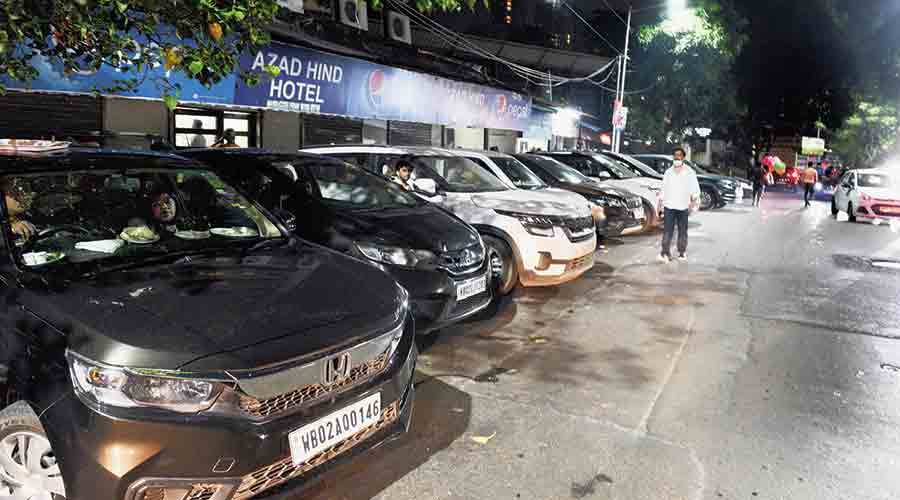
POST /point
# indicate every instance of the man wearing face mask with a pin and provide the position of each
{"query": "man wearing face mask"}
(680, 195)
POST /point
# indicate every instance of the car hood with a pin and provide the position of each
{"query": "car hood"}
(226, 311)
(425, 227)
(644, 187)
(882, 193)
(544, 202)
(591, 189)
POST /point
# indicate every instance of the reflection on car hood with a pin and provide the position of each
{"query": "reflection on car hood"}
(221, 312)
(533, 202)
(425, 227)
(643, 187)
(891, 194)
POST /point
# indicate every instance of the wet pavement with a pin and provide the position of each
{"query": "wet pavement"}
(768, 366)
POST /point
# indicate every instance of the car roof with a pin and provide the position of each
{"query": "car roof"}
(481, 152)
(208, 153)
(375, 149)
(90, 158)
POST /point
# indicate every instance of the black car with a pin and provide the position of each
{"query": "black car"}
(437, 257)
(624, 211)
(714, 193)
(661, 163)
(164, 337)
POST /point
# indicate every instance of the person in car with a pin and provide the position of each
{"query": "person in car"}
(15, 207)
(159, 213)
(402, 175)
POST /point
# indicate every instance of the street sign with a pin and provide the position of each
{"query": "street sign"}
(813, 146)
(620, 118)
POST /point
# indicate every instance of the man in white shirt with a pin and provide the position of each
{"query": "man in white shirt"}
(680, 195)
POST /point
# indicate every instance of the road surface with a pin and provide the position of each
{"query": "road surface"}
(765, 367)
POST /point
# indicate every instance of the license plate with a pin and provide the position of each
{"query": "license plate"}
(471, 287)
(312, 439)
(638, 213)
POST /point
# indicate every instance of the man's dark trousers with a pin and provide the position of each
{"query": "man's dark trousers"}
(809, 193)
(675, 218)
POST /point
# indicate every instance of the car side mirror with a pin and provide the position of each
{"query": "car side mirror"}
(287, 218)
(604, 175)
(425, 187)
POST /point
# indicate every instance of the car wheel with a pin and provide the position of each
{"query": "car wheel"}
(28, 468)
(834, 209)
(851, 215)
(650, 218)
(502, 263)
(707, 199)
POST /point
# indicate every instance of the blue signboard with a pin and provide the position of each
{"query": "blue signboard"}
(317, 82)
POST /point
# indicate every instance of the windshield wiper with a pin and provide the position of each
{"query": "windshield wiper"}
(156, 259)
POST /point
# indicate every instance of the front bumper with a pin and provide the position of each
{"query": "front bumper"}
(621, 221)
(549, 261)
(120, 457)
(879, 209)
(433, 296)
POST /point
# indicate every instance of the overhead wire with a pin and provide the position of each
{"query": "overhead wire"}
(583, 20)
(608, 6)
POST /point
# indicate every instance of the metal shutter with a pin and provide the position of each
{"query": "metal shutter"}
(26, 115)
(320, 130)
(409, 134)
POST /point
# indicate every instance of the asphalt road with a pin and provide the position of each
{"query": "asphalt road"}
(762, 368)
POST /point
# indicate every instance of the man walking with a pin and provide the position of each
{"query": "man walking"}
(680, 195)
(810, 178)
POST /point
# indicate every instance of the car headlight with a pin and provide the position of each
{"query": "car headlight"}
(397, 256)
(99, 386)
(537, 225)
(607, 202)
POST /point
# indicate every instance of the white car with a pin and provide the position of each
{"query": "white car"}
(517, 176)
(532, 238)
(608, 172)
(872, 194)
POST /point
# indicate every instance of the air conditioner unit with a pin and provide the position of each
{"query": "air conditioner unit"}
(397, 27)
(353, 13)
(292, 5)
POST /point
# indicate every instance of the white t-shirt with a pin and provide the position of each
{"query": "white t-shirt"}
(680, 188)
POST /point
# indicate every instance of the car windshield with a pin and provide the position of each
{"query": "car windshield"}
(617, 170)
(519, 174)
(638, 167)
(455, 174)
(559, 171)
(346, 186)
(876, 181)
(75, 217)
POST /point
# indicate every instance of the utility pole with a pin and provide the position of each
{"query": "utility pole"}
(620, 88)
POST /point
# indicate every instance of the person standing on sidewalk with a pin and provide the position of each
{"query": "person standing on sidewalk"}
(680, 195)
(810, 178)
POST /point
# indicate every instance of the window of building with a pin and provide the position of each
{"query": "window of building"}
(200, 128)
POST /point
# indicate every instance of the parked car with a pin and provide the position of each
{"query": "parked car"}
(624, 210)
(531, 238)
(437, 257)
(713, 193)
(164, 337)
(609, 172)
(517, 176)
(742, 188)
(872, 194)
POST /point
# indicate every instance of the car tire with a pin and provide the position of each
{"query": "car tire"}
(851, 215)
(19, 424)
(707, 199)
(502, 261)
(834, 209)
(651, 217)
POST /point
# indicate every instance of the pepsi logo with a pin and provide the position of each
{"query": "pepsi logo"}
(375, 88)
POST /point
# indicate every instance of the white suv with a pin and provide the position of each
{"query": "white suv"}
(533, 238)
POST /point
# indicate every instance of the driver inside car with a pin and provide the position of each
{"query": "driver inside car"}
(15, 207)
(160, 212)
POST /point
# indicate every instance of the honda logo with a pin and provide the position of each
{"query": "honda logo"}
(337, 368)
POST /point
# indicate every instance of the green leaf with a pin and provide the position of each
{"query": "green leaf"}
(273, 70)
(195, 67)
(121, 7)
(171, 101)
(238, 15)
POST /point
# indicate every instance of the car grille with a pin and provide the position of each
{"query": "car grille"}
(466, 306)
(203, 492)
(634, 202)
(463, 261)
(285, 470)
(577, 229)
(580, 262)
(262, 408)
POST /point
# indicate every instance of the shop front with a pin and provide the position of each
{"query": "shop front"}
(317, 98)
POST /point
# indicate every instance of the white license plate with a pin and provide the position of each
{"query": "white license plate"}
(471, 287)
(312, 439)
(638, 213)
